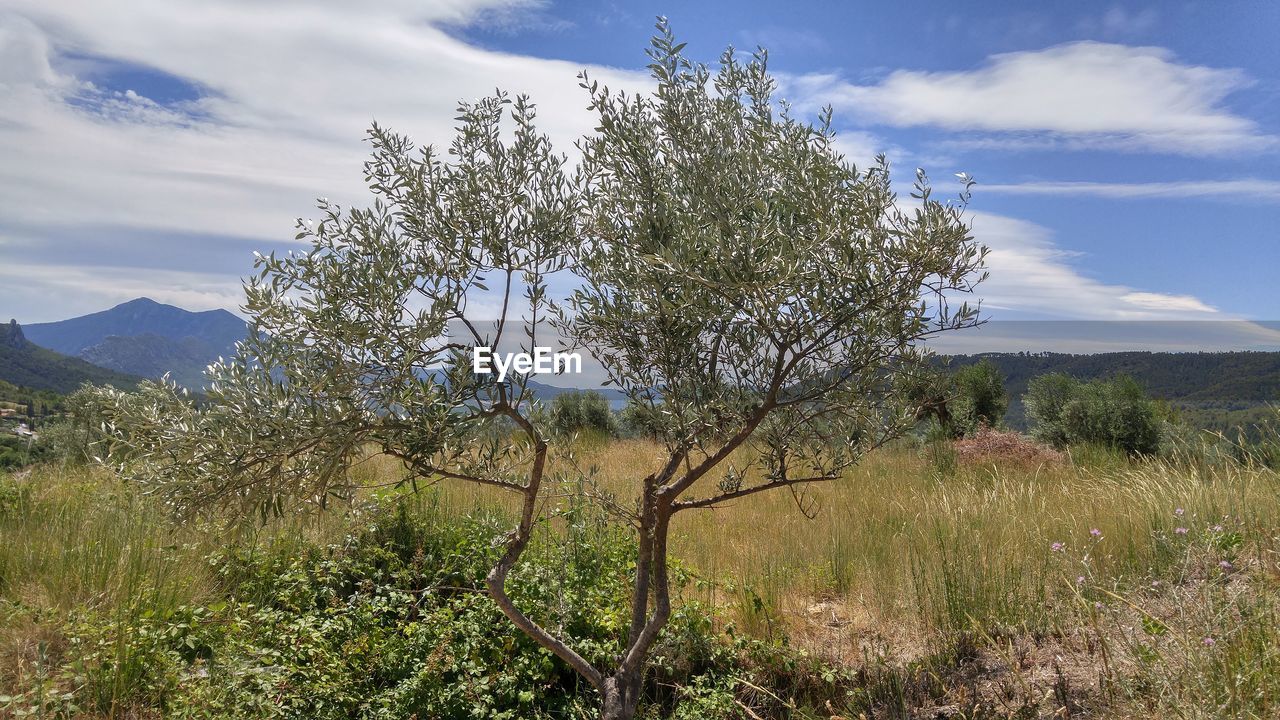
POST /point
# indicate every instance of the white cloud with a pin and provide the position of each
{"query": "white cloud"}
(1247, 188)
(1174, 303)
(288, 90)
(93, 288)
(1032, 276)
(1099, 336)
(861, 148)
(1088, 93)
(291, 91)
(24, 54)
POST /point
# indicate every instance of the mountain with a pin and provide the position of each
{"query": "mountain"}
(143, 316)
(147, 338)
(24, 363)
(546, 393)
(1215, 390)
(151, 355)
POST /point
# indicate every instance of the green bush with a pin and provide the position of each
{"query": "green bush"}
(980, 398)
(958, 403)
(582, 412)
(17, 452)
(393, 622)
(639, 420)
(1113, 413)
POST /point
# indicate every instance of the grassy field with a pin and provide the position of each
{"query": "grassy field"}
(924, 586)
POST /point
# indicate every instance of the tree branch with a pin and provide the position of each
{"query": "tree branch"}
(517, 540)
(711, 502)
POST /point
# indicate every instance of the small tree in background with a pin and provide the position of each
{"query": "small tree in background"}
(586, 411)
(959, 402)
(738, 278)
(980, 397)
(1045, 401)
(930, 391)
(1116, 413)
(638, 420)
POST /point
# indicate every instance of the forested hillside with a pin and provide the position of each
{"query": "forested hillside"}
(1211, 390)
(24, 363)
(153, 356)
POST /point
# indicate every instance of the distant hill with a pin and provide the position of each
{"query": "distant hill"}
(1215, 390)
(547, 393)
(146, 338)
(152, 356)
(24, 363)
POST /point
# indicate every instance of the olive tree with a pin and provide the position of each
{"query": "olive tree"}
(960, 402)
(734, 274)
(753, 289)
(1113, 412)
(980, 399)
(583, 411)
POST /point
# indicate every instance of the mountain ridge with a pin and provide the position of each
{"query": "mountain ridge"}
(139, 316)
(146, 338)
(29, 365)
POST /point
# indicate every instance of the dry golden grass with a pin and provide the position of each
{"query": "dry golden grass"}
(899, 548)
(1046, 568)
(908, 558)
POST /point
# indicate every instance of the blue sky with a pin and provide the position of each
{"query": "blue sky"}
(1128, 154)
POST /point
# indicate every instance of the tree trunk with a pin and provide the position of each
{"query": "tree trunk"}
(620, 696)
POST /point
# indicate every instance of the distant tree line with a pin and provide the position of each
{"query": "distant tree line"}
(1114, 411)
(1064, 411)
(1218, 391)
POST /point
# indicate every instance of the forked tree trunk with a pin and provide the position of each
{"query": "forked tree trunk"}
(620, 696)
(651, 593)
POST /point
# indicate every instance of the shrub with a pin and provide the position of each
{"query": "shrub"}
(582, 412)
(640, 420)
(960, 403)
(980, 397)
(391, 622)
(18, 452)
(1115, 413)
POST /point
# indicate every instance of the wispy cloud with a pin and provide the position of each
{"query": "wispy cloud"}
(1084, 94)
(1241, 189)
(1032, 276)
(779, 39)
(1170, 303)
(286, 92)
(1118, 21)
(517, 16)
(1098, 336)
(107, 286)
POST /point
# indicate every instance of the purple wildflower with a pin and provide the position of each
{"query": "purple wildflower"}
(1210, 642)
(1096, 533)
(1226, 566)
(1057, 547)
(1180, 530)
(1178, 512)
